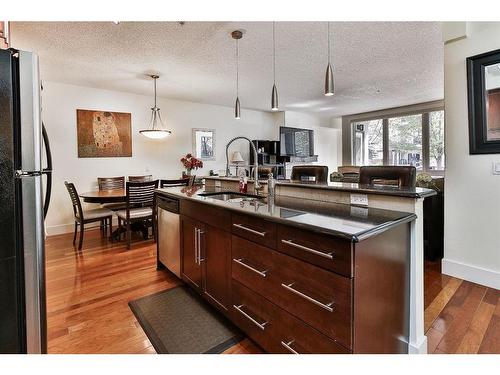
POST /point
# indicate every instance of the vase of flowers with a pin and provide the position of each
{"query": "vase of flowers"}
(189, 162)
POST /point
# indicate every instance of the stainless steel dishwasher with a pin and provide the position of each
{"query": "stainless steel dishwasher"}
(169, 246)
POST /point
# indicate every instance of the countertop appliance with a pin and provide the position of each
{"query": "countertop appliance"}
(23, 327)
(169, 246)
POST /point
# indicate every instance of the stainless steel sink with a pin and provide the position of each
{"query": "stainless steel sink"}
(231, 196)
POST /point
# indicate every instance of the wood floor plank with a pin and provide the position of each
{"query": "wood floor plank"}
(475, 332)
(491, 339)
(462, 318)
(438, 304)
(88, 294)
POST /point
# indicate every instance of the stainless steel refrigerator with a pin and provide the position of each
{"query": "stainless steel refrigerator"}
(25, 184)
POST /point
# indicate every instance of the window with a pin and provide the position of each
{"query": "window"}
(405, 141)
(436, 140)
(368, 142)
(416, 139)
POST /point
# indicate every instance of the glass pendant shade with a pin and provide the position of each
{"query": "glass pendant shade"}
(156, 129)
(237, 111)
(274, 99)
(329, 88)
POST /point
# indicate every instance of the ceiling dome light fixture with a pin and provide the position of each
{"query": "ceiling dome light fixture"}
(237, 35)
(156, 130)
(329, 87)
(274, 94)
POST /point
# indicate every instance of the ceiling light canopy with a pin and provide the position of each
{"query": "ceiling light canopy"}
(156, 129)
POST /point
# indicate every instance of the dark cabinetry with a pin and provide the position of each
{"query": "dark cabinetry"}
(298, 291)
(206, 252)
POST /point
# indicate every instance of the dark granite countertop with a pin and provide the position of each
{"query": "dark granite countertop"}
(366, 189)
(348, 187)
(349, 222)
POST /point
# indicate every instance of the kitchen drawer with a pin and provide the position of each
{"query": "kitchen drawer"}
(322, 250)
(295, 337)
(274, 329)
(316, 296)
(208, 214)
(254, 315)
(254, 229)
(252, 265)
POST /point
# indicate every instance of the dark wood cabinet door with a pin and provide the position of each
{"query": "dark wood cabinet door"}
(216, 260)
(191, 265)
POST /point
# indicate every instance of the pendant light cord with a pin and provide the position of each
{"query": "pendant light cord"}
(237, 68)
(155, 90)
(329, 52)
(274, 54)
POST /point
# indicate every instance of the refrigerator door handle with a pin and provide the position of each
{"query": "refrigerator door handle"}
(47, 171)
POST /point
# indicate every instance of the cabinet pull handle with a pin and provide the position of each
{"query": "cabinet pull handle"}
(262, 234)
(196, 245)
(260, 325)
(288, 347)
(200, 259)
(241, 263)
(327, 306)
(308, 249)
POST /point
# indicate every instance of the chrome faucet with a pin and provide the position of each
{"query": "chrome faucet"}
(257, 185)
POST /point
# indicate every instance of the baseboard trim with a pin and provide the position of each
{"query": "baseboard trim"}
(54, 230)
(474, 274)
(419, 348)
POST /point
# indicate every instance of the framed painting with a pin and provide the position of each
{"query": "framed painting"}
(204, 144)
(483, 82)
(102, 134)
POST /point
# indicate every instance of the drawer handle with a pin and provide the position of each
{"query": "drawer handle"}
(288, 347)
(260, 325)
(308, 249)
(241, 263)
(327, 306)
(262, 234)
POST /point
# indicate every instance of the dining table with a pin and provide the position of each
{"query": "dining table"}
(113, 196)
(104, 196)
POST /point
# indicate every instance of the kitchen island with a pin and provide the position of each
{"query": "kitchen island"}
(384, 197)
(299, 275)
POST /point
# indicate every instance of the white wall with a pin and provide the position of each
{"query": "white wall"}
(472, 192)
(159, 158)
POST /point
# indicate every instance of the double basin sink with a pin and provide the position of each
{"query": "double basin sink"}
(232, 196)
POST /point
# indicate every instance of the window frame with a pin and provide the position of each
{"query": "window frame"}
(385, 115)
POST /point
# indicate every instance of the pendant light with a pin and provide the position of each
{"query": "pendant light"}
(156, 129)
(237, 35)
(329, 87)
(274, 94)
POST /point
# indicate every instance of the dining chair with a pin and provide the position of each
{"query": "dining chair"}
(82, 217)
(140, 207)
(112, 183)
(180, 182)
(145, 178)
(401, 176)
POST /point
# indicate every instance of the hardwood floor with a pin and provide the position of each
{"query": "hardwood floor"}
(88, 294)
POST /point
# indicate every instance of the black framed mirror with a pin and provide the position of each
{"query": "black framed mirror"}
(483, 84)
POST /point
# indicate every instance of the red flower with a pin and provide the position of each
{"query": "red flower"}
(190, 162)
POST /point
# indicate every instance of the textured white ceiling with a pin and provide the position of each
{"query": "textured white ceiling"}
(376, 64)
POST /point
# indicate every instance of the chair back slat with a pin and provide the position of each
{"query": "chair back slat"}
(145, 178)
(75, 199)
(141, 193)
(111, 183)
(170, 183)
